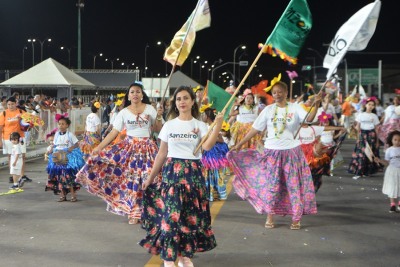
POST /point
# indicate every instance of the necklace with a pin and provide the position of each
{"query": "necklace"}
(275, 123)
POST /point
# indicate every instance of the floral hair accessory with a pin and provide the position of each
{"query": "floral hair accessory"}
(61, 116)
(97, 105)
(139, 82)
(118, 102)
(273, 82)
(204, 107)
(197, 88)
(246, 92)
(225, 126)
(369, 99)
(121, 95)
(324, 117)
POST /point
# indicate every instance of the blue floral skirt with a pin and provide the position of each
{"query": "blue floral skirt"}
(176, 215)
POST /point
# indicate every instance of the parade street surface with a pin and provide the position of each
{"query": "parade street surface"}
(353, 227)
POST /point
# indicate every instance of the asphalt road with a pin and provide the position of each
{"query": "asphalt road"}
(352, 228)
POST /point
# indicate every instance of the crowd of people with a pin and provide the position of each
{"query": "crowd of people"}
(161, 164)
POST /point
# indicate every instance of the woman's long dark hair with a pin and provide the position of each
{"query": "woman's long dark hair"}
(173, 110)
(145, 99)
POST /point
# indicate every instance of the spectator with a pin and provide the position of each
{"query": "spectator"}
(3, 104)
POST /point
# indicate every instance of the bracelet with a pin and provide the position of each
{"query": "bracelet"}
(159, 119)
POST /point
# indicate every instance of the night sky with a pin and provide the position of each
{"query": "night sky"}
(122, 28)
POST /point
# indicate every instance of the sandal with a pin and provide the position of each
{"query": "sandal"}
(295, 226)
(62, 199)
(73, 199)
(269, 224)
(133, 221)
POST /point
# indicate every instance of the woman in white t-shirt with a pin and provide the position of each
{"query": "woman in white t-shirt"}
(276, 180)
(177, 217)
(245, 114)
(366, 126)
(91, 137)
(391, 120)
(116, 172)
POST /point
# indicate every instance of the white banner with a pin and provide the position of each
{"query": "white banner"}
(354, 35)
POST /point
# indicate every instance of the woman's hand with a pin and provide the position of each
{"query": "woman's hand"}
(96, 151)
(147, 183)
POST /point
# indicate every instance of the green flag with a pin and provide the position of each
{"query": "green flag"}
(290, 32)
(218, 97)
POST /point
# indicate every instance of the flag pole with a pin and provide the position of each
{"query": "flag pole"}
(232, 97)
(180, 49)
(291, 90)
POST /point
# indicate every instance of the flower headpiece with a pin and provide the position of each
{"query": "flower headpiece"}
(246, 92)
(97, 105)
(197, 88)
(324, 117)
(204, 107)
(366, 100)
(121, 95)
(273, 82)
(61, 116)
(225, 126)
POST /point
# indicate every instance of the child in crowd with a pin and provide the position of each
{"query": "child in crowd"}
(391, 182)
(214, 160)
(66, 160)
(50, 183)
(16, 162)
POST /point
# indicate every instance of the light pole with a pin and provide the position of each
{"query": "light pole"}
(23, 57)
(145, 59)
(166, 63)
(112, 62)
(41, 47)
(69, 55)
(314, 73)
(32, 41)
(80, 5)
(94, 59)
(320, 56)
(234, 60)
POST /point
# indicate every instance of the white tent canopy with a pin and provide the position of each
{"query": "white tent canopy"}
(48, 73)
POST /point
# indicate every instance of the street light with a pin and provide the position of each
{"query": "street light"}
(80, 5)
(112, 62)
(41, 47)
(23, 57)
(191, 65)
(32, 41)
(243, 47)
(145, 59)
(166, 63)
(94, 59)
(69, 54)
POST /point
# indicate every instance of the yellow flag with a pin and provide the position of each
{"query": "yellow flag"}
(183, 41)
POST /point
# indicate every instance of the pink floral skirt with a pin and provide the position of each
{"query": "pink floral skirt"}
(275, 181)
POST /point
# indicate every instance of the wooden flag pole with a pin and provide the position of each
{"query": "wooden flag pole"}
(291, 90)
(232, 97)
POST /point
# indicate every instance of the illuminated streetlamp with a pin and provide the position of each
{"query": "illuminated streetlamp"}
(32, 41)
(41, 47)
(69, 55)
(243, 47)
(94, 59)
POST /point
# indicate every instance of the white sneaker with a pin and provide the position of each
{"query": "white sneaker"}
(169, 264)
(185, 262)
(356, 177)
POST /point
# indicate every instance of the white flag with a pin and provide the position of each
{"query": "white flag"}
(354, 35)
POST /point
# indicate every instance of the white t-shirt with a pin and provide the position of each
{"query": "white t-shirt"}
(327, 138)
(183, 137)
(390, 113)
(367, 121)
(379, 111)
(308, 134)
(16, 150)
(64, 141)
(247, 116)
(392, 155)
(92, 121)
(136, 125)
(329, 110)
(285, 139)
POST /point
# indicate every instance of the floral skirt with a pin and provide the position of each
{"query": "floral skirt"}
(239, 131)
(360, 164)
(176, 216)
(62, 176)
(89, 142)
(215, 158)
(275, 181)
(117, 173)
